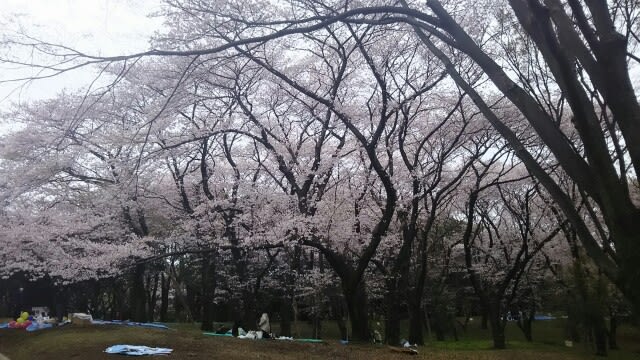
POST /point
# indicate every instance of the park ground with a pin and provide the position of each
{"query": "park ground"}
(75, 342)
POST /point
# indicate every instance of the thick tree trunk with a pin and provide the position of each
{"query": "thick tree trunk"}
(497, 327)
(613, 330)
(526, 326)
(112, 304)
(207, 315)
(484, 323)
(208, 293)
(251, 309)
(392, 323)
(600, 338)
(455, 332)
(191, 296)
(317, 327)
(525, 320)
(285, 316)
(397, 284)
(625, 232)
(61, 303)
(416, 310)
(153, 297)
(416, 335)
(238, 320)
(296, 313)
(316, 319)
(138, 303)
(427, 323)
(121, 305)
(573, 333)
(164, 297)
(439, 330)
(358, 312)
(181, 305)
(339, 311)
(598, 327)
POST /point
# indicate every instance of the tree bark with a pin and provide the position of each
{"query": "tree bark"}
(484, 322)
(438, 328)
(416, 334)
(596, 175)
(285, 316)
(164, 297)
(392, 323)
(338, 306)
(152, 298)
(208, 293)
(497, 325)
(317, 327)
(138, 303)
(525, 324)
(613, 330)
(357, 305)
(600, 336)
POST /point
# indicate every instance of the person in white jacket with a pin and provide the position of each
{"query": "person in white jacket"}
(264, 326)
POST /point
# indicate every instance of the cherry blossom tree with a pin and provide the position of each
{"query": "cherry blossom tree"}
(345, 128)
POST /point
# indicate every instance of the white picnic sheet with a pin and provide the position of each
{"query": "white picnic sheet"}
(137, 350)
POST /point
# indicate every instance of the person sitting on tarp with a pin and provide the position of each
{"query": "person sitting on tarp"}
(264, 326)
(224, 329)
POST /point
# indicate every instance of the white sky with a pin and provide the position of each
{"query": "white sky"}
(102, 27)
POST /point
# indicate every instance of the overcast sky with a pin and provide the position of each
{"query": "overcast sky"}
(102, 27)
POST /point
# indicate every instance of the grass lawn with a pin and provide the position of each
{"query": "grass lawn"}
(74, 342)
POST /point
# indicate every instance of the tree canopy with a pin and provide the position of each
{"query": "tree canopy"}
(404, 143)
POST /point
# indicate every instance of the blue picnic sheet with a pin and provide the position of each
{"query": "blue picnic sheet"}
(137, 350)
(130, 323)
(544, 317)
(35, 326)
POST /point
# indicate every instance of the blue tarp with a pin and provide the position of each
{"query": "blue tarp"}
(35, 326)
(543, 317)
(130, 323)
(137, 350)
